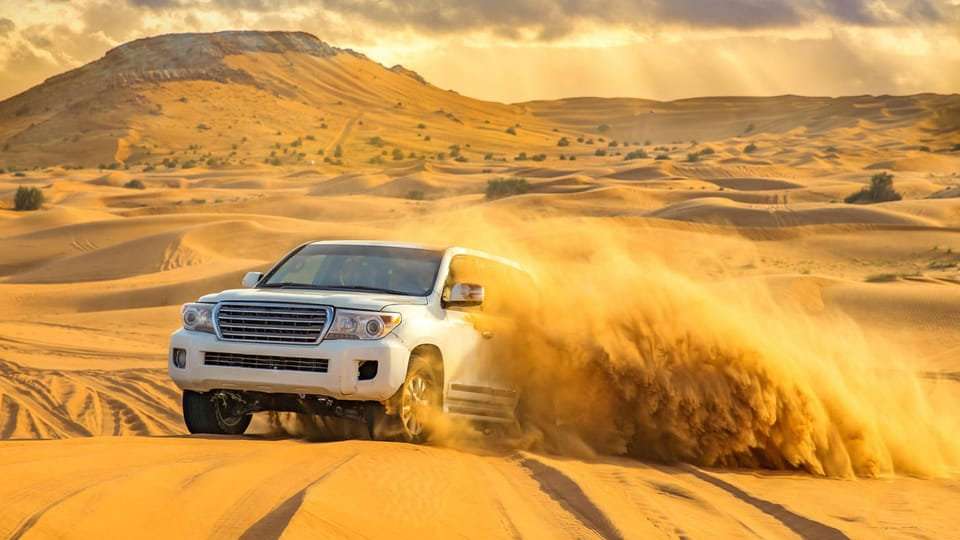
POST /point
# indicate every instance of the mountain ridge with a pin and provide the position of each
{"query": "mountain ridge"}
(289, 98)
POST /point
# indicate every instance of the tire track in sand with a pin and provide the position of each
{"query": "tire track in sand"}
(562, 489)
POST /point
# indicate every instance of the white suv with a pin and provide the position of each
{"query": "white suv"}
(386, 333)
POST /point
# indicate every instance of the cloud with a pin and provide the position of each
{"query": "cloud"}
(552, 19)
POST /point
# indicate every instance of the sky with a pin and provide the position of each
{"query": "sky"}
(520, 50)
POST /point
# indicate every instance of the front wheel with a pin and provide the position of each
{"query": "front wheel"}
(418, 401)
(204, 413)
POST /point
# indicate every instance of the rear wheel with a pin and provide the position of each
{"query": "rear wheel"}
(205, 413)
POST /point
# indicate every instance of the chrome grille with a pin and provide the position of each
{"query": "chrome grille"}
(263, 322)
(257, 361)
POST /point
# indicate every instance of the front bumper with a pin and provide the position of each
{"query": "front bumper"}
(340, 381)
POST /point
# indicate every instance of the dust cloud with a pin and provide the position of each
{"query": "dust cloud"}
(625, 353)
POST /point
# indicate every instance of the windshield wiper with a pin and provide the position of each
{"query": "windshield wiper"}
(364, 289)
(289, 284)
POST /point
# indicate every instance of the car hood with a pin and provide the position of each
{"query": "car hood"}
(337, 299)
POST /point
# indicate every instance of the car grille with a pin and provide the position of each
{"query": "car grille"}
(290, 324)
(256, 361)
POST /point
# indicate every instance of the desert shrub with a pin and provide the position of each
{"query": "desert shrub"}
(924, 148)
(635, 154)
(563, 157)
(955, 148)
(539, 157)
(600, 152)
(603, 128)
(397, 154)
(563, 142)
(748, 129)
(572, 157)
(20, 174)
(338, 152)
(750, 148)
(707, 151)
(506, 187)
(275, 161)
(588, 141)
(421, 126)
(375, 160)
(297, 142)
(27, 198)
(661, 157)
(189, 164)
(579, 139)
(202, 127)
(135, 184)
(310, 138)
(375, 141)
(488, 156)
(460, 159)
(613, 144)
(522, 156)
(416, 195)
(427, 138)
(830, 149)
(511, 130)
(880, 190)
(693, 157)
(320, 152)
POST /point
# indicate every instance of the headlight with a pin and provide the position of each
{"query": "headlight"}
(198, 317)
(362, 324)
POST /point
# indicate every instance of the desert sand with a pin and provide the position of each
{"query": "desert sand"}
(749, 355)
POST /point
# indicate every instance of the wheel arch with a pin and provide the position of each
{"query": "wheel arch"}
(434, 355)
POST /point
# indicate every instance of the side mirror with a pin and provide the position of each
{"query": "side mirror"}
(251, 279)
(464, 294)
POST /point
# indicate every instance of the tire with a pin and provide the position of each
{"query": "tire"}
(202, 414)
(419, 401)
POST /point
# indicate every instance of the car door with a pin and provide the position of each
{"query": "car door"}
(476, 384)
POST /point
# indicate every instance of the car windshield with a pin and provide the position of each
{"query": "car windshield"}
(394, 270)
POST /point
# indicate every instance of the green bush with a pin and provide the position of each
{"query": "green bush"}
(375, 141)
(563, 142)
(27, 198)
(600, 152)
(603, 128)
(750, 148)
(880, 190)
(693, 157)
(506, 187)
(338, 152)
(511, 130)
(661, 157)
(135, 184)
(397, 154)
(635, 154)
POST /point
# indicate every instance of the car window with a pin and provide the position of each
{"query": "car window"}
(504, 286)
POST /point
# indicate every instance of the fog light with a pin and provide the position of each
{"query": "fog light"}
(367, 370)
(179, 357)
